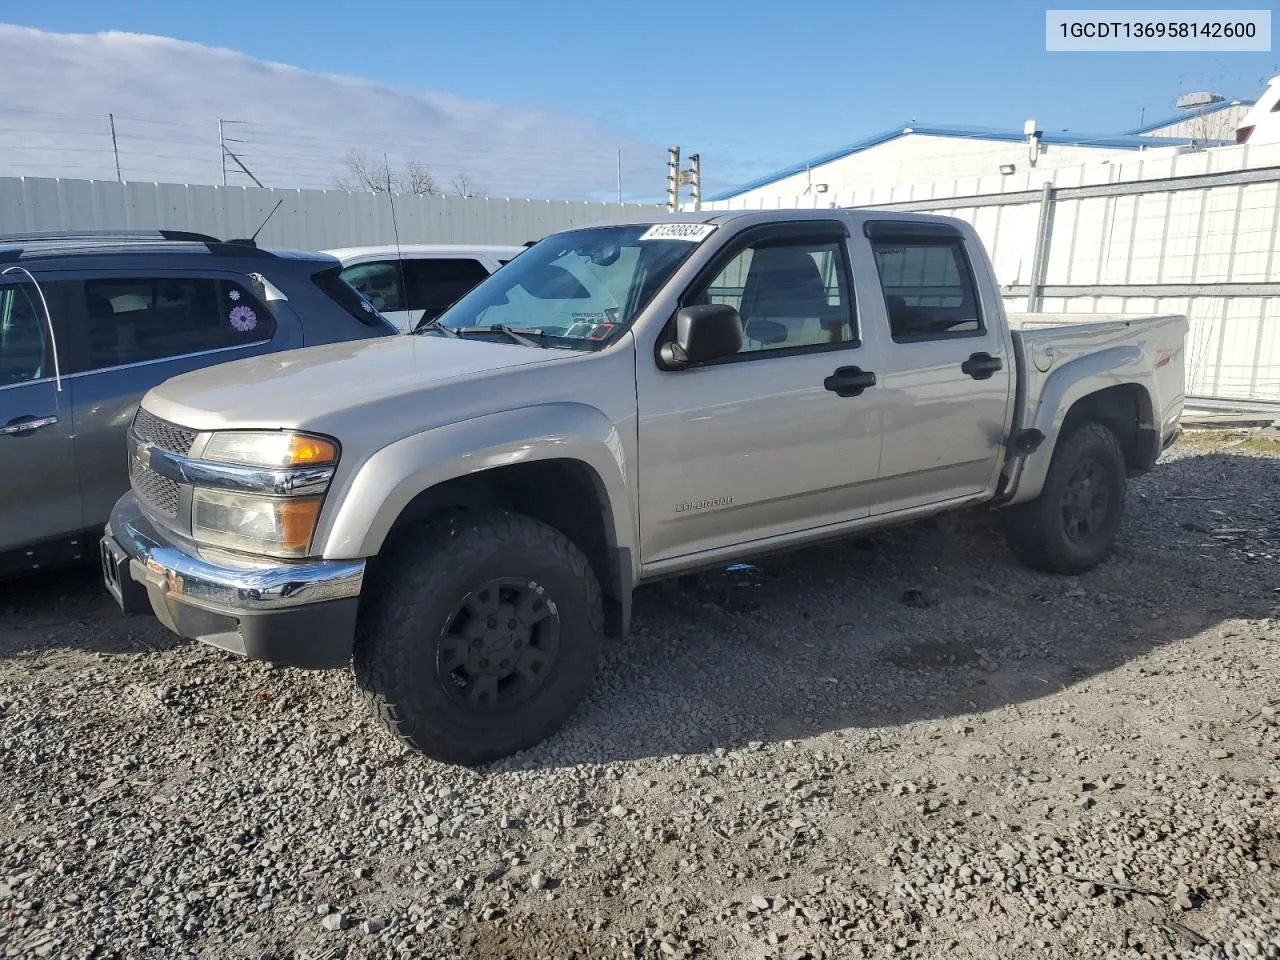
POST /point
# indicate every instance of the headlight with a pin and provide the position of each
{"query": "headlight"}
(275, 527)
(270, 448)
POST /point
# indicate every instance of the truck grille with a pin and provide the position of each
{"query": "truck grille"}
(167, 436)
(158, 493)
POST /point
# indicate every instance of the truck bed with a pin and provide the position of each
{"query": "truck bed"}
(1048, 342)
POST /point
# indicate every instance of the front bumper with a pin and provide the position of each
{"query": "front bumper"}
(295, 614)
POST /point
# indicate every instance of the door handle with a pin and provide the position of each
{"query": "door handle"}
(849, 381)
(28, 424)
(981, 366)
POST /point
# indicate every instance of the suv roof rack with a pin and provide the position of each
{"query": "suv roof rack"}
(167, 235)
(216, 246)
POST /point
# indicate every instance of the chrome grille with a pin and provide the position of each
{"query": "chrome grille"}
(167, 436)
(156, 492)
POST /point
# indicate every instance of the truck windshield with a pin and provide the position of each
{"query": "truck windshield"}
(576, 289)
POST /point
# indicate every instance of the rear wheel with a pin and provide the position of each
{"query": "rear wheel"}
(479, 637)
(1072, 526)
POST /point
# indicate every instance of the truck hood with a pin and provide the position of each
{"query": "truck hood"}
(302, 387)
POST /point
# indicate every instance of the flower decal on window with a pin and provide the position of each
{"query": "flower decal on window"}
(234, 294)
(243, 318)
(366, 306)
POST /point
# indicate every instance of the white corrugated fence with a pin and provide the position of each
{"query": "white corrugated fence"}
(1196, 233)
(307, 220)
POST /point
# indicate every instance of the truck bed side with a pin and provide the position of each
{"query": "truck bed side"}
(1128, 372)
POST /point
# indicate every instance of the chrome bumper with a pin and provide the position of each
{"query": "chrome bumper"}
(295, 613)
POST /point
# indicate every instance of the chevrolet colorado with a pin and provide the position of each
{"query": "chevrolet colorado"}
(464, 512)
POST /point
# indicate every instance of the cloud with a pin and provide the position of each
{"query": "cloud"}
(289, 127)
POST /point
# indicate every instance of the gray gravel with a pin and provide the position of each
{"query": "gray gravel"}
(905, 746)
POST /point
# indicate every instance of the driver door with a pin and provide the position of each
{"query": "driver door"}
(766, 442)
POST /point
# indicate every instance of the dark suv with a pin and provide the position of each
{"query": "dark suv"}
(90, 321)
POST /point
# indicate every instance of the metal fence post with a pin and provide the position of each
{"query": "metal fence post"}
(1040, 258)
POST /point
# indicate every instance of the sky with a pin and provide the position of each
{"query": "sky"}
(750, 86)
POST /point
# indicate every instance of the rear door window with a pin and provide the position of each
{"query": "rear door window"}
(431, 285)
(138, 319)
(928, 288)
(24, 348)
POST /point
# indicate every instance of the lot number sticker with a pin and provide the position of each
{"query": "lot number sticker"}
(693, 232)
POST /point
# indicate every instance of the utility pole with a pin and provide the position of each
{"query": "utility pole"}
(619, 175)
(673, 179)
(222, 151)
(115, 149)
(695, 180)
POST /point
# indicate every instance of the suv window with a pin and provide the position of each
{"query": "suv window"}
(22, 336)
(789, 294)
(377, 282)
(336, 288)
(928, 289)
(432, 285)
(134, 320)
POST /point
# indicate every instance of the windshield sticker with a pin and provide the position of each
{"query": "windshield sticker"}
(600, 331)
(243, 318)
(693, 232)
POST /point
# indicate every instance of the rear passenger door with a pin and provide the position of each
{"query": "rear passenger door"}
(133, 332)
(947, 377)
(39, 491)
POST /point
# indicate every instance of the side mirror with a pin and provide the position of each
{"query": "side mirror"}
(706, 332)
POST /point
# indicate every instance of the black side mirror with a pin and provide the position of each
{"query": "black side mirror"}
(705, 332)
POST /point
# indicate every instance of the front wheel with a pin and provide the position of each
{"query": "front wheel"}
(480, 635)
(1072, 526)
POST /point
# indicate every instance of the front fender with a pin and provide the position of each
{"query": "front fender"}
(1063, 388)
(374, 496)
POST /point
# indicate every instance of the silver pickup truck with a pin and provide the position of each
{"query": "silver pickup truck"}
(464, 511)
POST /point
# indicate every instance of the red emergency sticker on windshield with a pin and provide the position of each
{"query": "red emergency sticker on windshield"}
(601, 331)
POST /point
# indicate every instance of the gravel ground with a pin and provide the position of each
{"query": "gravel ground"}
(901, 746)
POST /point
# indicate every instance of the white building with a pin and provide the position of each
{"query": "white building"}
(919, 153)
(1216, 122)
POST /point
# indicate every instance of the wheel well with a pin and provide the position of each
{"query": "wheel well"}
(1126, 411)
(564, 494)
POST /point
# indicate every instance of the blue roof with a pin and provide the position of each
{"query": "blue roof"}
(1123, 141)
(1187, 115)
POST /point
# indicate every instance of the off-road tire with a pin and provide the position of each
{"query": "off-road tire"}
(1038, 531)
(413, 598)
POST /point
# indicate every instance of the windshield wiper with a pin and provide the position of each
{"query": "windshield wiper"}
(520, 335)
(435, 325)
